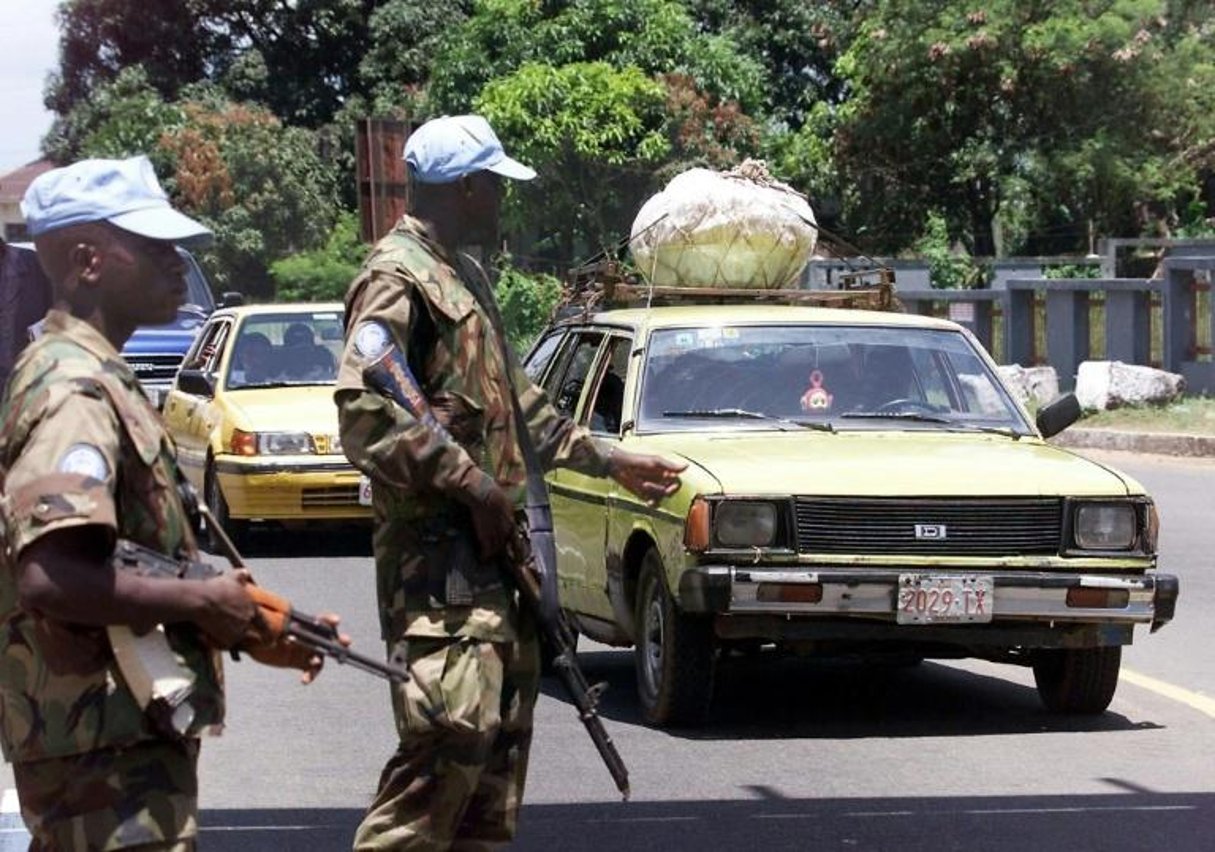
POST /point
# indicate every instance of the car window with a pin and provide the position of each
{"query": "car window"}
(608, 404)
(208, 347)
(565, 384)
(293, 348)
(198, 292)
(848, 376)
(542, 355)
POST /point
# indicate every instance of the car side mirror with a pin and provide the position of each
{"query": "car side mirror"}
(231, 299)
(1058, 415)
(195, 383)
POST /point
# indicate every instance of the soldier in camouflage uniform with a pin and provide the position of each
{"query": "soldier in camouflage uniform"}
(84, 461)
(447, 502)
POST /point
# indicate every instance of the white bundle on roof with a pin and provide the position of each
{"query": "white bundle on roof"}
(724, 229)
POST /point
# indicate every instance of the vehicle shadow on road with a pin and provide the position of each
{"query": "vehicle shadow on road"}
(1119, 820)
(312, 542)
(775, 697)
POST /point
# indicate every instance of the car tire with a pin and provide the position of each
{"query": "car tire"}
(1077, 681)
(675, 653)
(218, 507)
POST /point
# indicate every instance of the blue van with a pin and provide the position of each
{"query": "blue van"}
(154, 352)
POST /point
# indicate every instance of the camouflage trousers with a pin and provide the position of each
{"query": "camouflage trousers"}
(465, 725)
(142, 797)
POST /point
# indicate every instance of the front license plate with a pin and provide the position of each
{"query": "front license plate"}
(936, 599)
(364, 491)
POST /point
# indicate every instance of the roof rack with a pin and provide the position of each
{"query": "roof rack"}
(608, 284)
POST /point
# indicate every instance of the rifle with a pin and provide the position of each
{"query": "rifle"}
(387, 371)
(559, 635)
(307, 630)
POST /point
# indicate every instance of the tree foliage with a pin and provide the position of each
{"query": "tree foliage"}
(322, 274)
(653, 36)
(949, 102)
(258, 184)
(526, 300)
(296, 58)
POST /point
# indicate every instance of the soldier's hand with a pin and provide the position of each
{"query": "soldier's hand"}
(649, 477)
(493, 519)
(227, 609)
(286, 653)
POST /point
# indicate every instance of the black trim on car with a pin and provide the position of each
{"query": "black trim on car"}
(246, 468)
(617, 502)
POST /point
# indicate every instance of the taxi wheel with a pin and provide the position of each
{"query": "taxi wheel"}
(1078, 681)
(214, 496)
(675, 653)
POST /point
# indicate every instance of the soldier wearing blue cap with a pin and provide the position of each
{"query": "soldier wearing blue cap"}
(85, 462)
(447, 481)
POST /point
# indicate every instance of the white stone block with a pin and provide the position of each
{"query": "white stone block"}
(1101, 385)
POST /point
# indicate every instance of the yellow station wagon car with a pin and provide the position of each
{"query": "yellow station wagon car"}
(858, 482)
(253, 417)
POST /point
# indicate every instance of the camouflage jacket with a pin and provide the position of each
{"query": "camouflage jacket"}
(80, 444)
(411, 286)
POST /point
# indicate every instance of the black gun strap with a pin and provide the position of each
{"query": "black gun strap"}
(539, 514)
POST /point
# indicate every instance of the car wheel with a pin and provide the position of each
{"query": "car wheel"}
(675, 653)
(1077, 680)
(219, 510)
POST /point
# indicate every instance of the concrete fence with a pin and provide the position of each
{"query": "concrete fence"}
(1164, 322)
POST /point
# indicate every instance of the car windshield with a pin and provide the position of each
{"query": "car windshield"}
(819, 376)
(273, 350)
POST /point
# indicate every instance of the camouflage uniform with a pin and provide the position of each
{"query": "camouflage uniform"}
(465, 719)
(92, 770)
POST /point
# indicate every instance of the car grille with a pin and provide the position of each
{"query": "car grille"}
(330, 496)
(928, 526)
(154, 367)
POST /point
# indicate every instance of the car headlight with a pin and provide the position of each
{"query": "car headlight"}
(743, 523)
(1105, 526)
(272, 443)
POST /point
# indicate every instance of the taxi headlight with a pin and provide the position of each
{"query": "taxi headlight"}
(1105, 526)
(741, 523)
(284, 443)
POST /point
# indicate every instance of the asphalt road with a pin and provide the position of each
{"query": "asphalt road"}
(800, 754)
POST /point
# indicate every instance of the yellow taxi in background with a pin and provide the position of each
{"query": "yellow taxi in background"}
(252, 413)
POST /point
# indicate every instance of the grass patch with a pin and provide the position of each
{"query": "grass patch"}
(1193, 415)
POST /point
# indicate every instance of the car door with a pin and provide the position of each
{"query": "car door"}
(602, 412)
(189, 416)
(578, 508)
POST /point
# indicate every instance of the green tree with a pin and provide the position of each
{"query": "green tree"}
(300, 58)
(594, 134)
(527, 301)
(949, 101)
(654, 36)
(259, 185)
(322, 274)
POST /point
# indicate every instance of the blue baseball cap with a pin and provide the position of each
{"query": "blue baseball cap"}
(124, 193)
(446, 149)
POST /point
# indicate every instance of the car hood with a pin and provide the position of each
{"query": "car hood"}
(308, 408)
(171, 338)
(895, 464)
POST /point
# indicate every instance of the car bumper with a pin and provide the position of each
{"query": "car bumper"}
(290, 489)
(871, 595)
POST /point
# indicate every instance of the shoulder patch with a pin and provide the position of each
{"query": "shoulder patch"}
(371, 339)
(84, 460)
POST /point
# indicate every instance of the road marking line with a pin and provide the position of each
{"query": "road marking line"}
(1195, 700)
